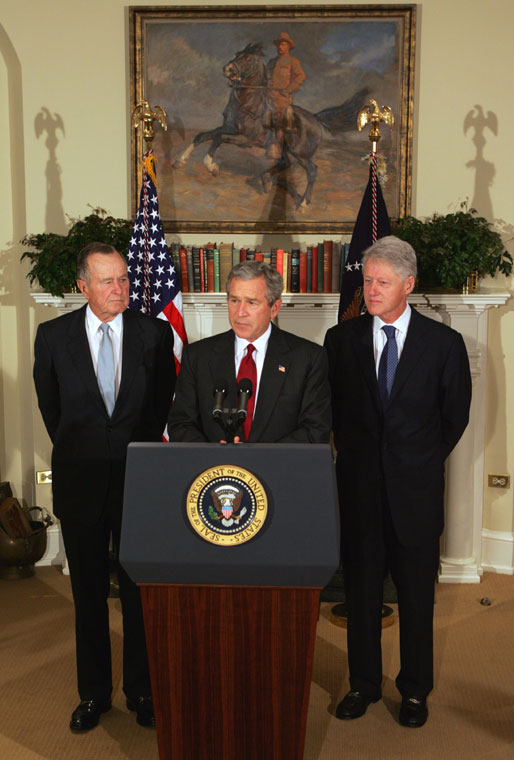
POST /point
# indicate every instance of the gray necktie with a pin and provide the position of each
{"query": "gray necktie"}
(105, 371)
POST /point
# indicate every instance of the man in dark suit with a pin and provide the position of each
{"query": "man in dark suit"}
(104, 377)
(401, 391)
(290, 402)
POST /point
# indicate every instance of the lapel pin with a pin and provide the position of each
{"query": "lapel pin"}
(281, 368)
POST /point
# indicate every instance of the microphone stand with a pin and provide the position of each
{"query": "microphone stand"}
(230, 420)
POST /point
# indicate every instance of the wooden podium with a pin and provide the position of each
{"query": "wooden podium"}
(230, 629)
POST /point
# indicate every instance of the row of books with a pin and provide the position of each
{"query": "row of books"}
(318, 269)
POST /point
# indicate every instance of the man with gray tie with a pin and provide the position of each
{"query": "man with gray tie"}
(104, 376)
(401, 392)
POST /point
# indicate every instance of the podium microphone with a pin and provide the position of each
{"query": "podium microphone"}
(219, 393)
(244, 391)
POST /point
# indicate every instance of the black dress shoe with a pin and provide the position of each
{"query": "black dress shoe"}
(87, 714)
(354, 705)
(143, 707)
(413, 712)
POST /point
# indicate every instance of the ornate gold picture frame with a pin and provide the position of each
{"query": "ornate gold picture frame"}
(248, 150)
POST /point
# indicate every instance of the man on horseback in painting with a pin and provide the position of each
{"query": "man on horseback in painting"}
(260, 114)
(285, 76)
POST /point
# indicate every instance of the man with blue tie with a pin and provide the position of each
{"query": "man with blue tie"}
(401, 392)
(104, 377)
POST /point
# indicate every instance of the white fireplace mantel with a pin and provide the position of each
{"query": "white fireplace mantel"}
(461, 549)
(310, 315)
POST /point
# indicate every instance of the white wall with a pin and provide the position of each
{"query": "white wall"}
(72, 58)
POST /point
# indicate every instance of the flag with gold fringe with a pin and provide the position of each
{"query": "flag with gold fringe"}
(154, 281)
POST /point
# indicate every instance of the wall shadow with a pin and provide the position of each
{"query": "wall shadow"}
(477, 121)
(479, 125)
(54, 213)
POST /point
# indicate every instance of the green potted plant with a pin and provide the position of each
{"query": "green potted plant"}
(453, 248)
(54, 257)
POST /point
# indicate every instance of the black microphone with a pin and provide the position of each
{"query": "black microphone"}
(244, 391)
(220, 391)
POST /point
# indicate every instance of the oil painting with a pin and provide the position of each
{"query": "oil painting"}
(262, 107)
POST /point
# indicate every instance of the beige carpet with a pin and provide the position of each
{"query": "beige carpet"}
(471, 708)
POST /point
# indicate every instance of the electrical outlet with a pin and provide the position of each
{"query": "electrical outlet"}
(498, 481)
(43, 477)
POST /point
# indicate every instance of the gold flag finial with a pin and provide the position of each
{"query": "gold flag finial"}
(371, 114)
(144, 115)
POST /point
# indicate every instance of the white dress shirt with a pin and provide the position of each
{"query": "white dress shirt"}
(94, 336)
(260, 345)
(380, 338)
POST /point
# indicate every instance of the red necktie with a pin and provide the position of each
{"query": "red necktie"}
(248, 369)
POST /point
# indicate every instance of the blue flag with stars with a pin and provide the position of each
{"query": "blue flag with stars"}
(351, 302)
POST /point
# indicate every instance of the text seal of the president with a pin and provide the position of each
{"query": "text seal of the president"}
(227, 505)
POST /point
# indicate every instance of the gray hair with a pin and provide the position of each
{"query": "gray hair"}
(249, 270)
(399, 254)
(86, 252)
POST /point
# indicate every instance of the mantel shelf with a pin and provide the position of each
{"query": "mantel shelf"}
(480, 300)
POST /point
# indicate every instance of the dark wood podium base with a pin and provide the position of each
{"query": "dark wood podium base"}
(231, 669)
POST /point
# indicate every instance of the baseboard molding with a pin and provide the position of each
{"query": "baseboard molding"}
(497, 551)
(54, 554)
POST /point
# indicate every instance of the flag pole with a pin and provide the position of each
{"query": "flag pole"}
(154, 276)
(143, 117)
(372, 219)
(373, 116)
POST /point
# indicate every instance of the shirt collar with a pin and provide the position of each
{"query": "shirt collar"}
(94, 323)
(401, 324)
(260, 343)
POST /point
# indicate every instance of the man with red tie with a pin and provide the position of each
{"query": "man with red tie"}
(290, 400)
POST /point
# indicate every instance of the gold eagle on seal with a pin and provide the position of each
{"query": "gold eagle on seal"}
(227, 503)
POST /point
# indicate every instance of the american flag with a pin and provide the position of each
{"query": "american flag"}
(369, 227)
(154, 281)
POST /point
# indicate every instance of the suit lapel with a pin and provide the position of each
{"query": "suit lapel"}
(363, 327)
(222, 365)
(133, 345)
(80, 353)
(274, 373)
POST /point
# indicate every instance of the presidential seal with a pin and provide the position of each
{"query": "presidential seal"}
(227, 505)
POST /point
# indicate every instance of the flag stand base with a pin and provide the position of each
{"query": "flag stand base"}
(339, 615)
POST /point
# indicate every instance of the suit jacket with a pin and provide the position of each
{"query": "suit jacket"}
(89, 448)
(293, 404)
(401, 449)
